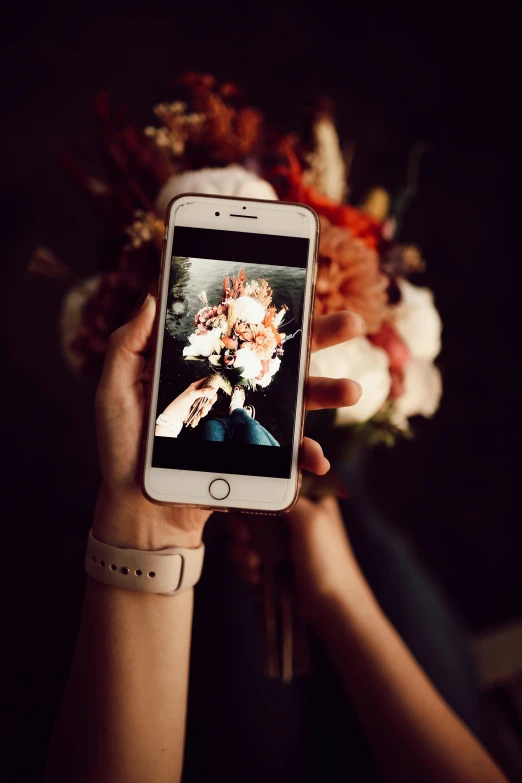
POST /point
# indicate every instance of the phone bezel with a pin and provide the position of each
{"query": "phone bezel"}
(259, 494)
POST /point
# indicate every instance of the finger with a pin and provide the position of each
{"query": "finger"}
(332, 393)
(125, 361)
(195, 394)
(336, 328)
(312, 457)
(197, 384)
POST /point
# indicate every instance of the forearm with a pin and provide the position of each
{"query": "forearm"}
(123, 714)
(414, 733)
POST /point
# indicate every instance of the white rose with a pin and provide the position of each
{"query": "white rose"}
(273, 367)
(247, 309)
(422, 391)
(250, 364)
(232, 181)
(203, 344)
(361, 361)
(418, 321)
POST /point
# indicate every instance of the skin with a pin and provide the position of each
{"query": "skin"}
(414, 734)
(123, 713)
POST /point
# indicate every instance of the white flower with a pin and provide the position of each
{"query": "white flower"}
(203, 344)
(278, 320)
(361, 361)
(232, 181)
(250, 364)
(273, 367)
(418, 321)
(422, 391)
(71, 318)
(247, 309)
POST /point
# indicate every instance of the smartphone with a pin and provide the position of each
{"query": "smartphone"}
(231, 355)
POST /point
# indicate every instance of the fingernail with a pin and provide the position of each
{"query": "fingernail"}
(363, 324)
(359, 385)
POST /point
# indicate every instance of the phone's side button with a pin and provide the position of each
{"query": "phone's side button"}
(219, 489)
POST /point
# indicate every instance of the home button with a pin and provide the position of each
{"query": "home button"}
(219, 489)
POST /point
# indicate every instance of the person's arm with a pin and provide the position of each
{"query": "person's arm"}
(175, 414)
(123, 713)
(413, 732)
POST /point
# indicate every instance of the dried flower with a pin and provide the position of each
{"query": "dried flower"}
(233, 181)
(260, 291)
(244, 331)
(327, 172)
(144, 229)
(248, 309)
(263, 342)
(349, 277)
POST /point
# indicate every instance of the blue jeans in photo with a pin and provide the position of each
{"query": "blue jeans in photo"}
(239, 427)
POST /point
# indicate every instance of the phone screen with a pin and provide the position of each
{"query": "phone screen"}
(232, 329)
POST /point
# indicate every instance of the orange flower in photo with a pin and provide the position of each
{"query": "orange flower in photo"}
(263, 342)
(244, 331)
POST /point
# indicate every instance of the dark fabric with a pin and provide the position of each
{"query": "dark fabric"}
(251, 728)
(239, 427)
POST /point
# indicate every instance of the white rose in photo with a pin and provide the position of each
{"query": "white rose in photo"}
(233, 181)
(422, 391)
(203, 344)
(361, 361)
(273, 367)
(418, 321)
(249, 310)
(249, 363)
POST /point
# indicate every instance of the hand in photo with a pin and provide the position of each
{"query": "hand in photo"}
(171, 420)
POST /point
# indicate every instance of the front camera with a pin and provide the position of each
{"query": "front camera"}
(217, 214)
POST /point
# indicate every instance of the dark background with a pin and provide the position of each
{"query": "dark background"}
(399, 75)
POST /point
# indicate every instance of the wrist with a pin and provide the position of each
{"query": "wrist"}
(349, 603)
(346, 588)
(126, 519)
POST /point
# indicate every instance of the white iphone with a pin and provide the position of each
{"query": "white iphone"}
(231, 356)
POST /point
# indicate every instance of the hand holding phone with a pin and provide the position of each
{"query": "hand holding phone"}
(124, 517)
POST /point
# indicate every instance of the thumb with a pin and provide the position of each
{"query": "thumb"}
(124, 361)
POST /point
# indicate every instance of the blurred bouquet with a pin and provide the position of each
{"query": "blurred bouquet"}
(212, 142)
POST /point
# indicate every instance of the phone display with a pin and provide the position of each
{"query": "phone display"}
(226, 409)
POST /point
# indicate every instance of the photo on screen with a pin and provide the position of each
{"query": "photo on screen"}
(236, 330)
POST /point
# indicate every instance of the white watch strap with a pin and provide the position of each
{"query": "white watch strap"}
(174, 426)
(166, 571)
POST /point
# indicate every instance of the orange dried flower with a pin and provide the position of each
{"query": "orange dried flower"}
(349, 277)
(263, 342)
(230, 132)
(244, 331)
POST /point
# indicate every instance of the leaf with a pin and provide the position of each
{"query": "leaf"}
(289, 336)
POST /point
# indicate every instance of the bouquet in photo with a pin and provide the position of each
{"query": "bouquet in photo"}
(239, 337)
